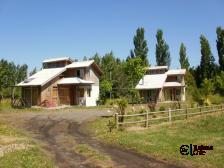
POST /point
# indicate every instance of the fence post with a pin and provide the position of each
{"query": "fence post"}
(200, 110)
(186, 113)
(147, 119)
(116, 120)
(221, 107)
(170, 117)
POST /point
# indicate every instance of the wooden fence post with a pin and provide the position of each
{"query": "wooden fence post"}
(200, 110)
(116, 120)
(147, 119)
(186, 113)
(170, 117)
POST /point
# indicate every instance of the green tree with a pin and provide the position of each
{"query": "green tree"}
(183, 57)
(207, 65)
(141, 49)
(33, 71)
(220, 46)
(134, 70)
(219, 83)
(162, 50)
(206, 89)
(97, 59)
(105, 89)
(85, 58)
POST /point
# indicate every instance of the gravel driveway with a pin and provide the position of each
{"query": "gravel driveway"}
(60, 131)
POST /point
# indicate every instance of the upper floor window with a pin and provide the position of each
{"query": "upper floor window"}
(78, 73)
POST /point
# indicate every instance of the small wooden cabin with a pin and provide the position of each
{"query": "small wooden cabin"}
(63, 82)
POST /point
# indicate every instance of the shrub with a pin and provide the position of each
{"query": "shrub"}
(122, 104)
(142, 111)
(162, 108)
(111, 125)
(152, 107)
(216, 99)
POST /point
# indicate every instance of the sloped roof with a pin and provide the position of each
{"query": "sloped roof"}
(42, 77)
(57, 59)
(74, 80)
(157, 67)
(80, 64)
(176, 72)
(151, 81)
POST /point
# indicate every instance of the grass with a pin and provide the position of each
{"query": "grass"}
(164, 140)
(27, 158)
(20, 151)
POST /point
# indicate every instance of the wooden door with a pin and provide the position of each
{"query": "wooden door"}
(55, 95)
(64, 95)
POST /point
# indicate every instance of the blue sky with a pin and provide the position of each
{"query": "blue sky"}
(32, 30)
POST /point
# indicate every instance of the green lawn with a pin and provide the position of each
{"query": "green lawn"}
(164, 140)
(20, 151)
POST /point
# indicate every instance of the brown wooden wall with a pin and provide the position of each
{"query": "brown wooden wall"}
(31, 95)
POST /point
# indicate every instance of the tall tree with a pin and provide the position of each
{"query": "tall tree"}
(97, 59)
(207, 64)
(184, 63)
(141, 49)
(220, 46)
(33, 71)
(85, 58)
(162, 50)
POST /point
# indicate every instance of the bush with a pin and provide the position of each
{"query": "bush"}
(111, 125)
(216, 99)
(122, 104)
(152, 107)
(142, 111)
(162, 108)
(111, 102)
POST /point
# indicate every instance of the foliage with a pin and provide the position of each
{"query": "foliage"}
(183, 57)
(207, 65)
(162, 50)
(220, 46)
(134, 70)
(216, 99)
(122, 104)
(206, 89)
(105, 89)
(162, 108)
(10, 75)
(33, 71)
(111, 125)
(141, 49)
(218, 81)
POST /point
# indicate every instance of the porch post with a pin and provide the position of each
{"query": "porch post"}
(31, 92)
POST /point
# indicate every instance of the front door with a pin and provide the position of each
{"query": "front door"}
(73, 95)
(64, 95)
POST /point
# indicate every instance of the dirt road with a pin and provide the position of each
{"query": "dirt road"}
(60, 132)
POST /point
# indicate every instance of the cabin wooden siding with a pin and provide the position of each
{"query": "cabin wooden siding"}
(31, 95)
(49, 91)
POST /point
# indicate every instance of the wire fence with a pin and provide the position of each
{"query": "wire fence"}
(148, 118)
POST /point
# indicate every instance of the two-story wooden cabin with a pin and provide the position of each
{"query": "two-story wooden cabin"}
(160, 84)
(63, 82)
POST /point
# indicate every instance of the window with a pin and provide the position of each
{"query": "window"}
(81, 92)
(88, 92)
(78, 73)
